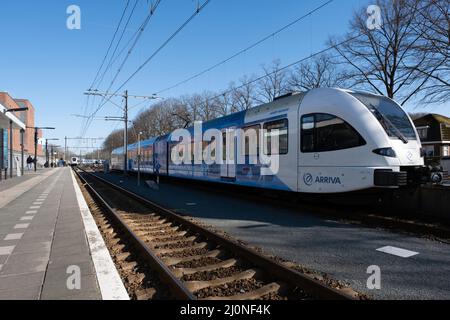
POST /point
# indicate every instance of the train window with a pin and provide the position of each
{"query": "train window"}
(391, 116)
(308, 123)
(251, 132)
(224, 147)
(324, 132)
(276, 128)
(212, 148)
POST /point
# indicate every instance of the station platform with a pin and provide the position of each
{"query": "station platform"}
(50, 247)
(15, 180)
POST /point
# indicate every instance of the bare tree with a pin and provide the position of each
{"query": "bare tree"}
(113, 140)
(244, 95)
(155, 121)
(318, 73)
(225, 102)
(209, 106)
(433, 22)
(273, 85)
(385, 59)
(182, 117)
(193, 104)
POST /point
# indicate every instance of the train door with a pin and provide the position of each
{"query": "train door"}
(161, 155)
(228, 166)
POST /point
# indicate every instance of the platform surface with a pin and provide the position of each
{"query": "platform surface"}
(8, 183)
(44, 252)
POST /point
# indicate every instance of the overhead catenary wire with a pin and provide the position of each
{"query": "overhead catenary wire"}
(312, 55)
(242, 51)
(318, 53)
(104, 60)
(110, 44)
(115, 49)
(105, 57)
(138, 34)
(118, 43)
(162, 46)
(136, 38)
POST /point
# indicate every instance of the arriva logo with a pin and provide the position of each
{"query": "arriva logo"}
(309, 180)
(328, 180)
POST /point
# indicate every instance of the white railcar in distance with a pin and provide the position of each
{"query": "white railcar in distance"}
(74, 161)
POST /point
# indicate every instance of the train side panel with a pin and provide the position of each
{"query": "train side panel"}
(281, 115)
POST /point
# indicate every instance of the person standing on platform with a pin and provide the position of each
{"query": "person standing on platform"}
(29, 162)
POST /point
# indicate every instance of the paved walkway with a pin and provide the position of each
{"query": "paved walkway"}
(44, 252)
(8, 183)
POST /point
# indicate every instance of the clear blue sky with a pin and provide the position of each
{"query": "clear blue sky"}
(43, 61)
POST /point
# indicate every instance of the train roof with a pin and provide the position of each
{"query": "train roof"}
(235, 119)
(268, 109)
(144, 143)
(279, 103)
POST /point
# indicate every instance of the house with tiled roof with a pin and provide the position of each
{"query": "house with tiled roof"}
(434, 133)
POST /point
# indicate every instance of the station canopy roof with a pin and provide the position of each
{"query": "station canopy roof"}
(6, 117)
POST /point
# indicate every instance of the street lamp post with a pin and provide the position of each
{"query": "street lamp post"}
(22, 142)
(10, 148)
(139, 158)
(36, 129)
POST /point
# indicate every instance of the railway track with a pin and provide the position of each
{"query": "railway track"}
(191, 262)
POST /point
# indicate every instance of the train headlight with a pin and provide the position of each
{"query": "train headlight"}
(385, 152)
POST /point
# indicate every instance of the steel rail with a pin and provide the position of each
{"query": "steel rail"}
(179, 290)
(279, 271)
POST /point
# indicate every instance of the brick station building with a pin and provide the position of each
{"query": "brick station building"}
(20, 120)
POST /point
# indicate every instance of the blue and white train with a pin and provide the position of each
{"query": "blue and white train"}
(330, 141)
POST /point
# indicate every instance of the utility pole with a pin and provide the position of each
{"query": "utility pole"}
(35, 148)
(22, 131)
(11, 149)
(139, 159)
(125, 96)
(65, 148)
(125, 135)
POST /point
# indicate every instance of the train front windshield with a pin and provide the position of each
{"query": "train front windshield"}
(393, 119)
